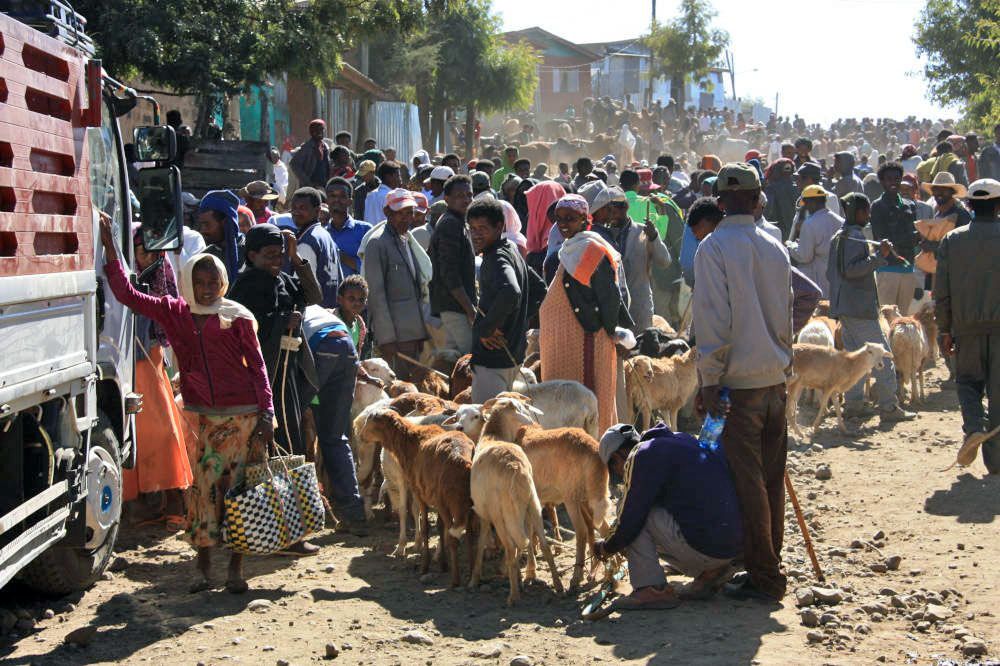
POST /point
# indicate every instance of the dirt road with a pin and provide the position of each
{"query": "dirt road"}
(884, 499)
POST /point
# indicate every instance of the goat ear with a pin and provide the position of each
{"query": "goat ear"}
(450, 421)
(450, 412)
(534, 410)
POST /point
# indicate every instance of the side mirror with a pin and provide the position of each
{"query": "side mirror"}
(160, 208)
(155, 144)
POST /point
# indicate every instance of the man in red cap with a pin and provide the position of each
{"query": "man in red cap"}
(311, 161)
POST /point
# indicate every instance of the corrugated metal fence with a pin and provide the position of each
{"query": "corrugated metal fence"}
(392, 124)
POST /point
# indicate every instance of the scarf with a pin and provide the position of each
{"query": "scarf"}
(159, 277)
(224, 308)
(512, 224)
(226, 203)
(539, 198)
(581, 254)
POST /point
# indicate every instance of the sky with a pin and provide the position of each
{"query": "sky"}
(826, 60)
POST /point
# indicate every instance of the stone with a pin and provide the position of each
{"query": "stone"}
(260, 605)
(118, 564)
(329, 568)
(417, 637)
(836, 552)
(823, 472)
(875, 608)
(827, 595)
(863, 629)
(48, 614)
(878, 535)
(82, 636)
(878, 567)
(888, 592)
(935, 613)
(829, 619)
(923, 626)
(522, 660)
(815, 636)
(332, 651)
(973, 647)
(486, 652)
(804, 597)
(283, 662)
(809, 617)
(892, 562)
(898, 602)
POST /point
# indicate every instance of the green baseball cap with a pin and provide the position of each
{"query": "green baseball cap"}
(737, 176)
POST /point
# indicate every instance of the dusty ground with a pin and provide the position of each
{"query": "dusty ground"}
(885, 492)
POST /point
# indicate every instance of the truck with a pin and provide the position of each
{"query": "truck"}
(67, 400)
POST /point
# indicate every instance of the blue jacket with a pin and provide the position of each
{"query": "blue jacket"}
(327, 261)
(671, 470)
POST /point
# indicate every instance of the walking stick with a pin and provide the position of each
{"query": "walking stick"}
(802, 527)
(413, 361)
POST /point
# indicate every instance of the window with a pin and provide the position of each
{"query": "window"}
(566, 80)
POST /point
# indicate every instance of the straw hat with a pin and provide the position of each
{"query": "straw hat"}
(945, 179)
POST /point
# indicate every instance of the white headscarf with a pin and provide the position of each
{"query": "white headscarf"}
(224, 308)
(422, 157)
(512, 224)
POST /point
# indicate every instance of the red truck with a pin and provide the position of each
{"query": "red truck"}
(66, 366)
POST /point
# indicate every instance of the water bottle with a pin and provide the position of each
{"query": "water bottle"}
(711, 430)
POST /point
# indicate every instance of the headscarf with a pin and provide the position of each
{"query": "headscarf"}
(422, 157)
(540, 197)
(751, 155)
(574, 202)
(755, 163)
(512, 224)
(908, 150)
(260, 236)
(160, 279)
(224, 308)
(711, 162)
(778, 167)
(226, 203)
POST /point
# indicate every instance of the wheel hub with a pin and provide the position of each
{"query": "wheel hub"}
(104, 496)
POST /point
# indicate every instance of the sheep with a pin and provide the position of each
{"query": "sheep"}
(421, 403)
(889, 313)
(563, 403)
(436, 466)
(661, 384)
(394, 488)
(398, 388)
(465, 397)
(909, 348)
(816, 332)
(822, 308)
(366, 394)
(504, 497)
(461, 376)
(661, 324)
(430, 382)
(831, 371)
(925, 315)
(534, 342)
(380, 369)
(366, 455)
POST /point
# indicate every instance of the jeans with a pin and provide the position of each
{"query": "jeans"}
(856, 333)
(977, 372)
(755, 440)
(337, 369)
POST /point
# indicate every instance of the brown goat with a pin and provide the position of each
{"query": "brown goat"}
(430, 382)
(421, 403)
(465, 397)
(461, 376)
(925, 315)
(398, 388)
(436, 464)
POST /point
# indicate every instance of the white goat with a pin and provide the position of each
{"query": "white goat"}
(909, 349)
(563, 403)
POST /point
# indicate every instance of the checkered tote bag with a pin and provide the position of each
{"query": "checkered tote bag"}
(263, 518)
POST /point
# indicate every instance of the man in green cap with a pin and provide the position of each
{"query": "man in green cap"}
(742, 307)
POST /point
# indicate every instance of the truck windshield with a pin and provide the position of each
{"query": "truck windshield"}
(105, 170)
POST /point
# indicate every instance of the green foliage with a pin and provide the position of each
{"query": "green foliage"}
(223, 47)
(960, 40)
(686, 48)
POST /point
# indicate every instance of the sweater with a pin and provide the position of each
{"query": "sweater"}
(967, 287)
(851, 275)
(742, 306)
(811, 250)
(219, 367)
(671, 470)
(454, 263)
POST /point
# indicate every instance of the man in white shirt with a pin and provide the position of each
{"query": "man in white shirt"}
(388, 173)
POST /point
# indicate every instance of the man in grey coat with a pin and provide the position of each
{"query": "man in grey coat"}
(396, 283)
(854, 301)
(639, 246)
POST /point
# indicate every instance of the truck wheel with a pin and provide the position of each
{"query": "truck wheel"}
(61, 570)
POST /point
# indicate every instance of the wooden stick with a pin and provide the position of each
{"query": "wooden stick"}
(410, 359)
(803, 528)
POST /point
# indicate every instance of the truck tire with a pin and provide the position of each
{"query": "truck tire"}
(61, 570)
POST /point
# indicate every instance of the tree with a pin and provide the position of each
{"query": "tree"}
(686, 48)
(961, 41)
(218, 48)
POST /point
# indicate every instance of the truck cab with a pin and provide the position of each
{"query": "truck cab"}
(67, 403)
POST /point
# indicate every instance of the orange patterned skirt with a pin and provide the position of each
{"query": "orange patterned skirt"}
(569, 352)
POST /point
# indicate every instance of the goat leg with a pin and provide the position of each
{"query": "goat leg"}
(442, 536)
(513, 574)
(539, 532)
(452, 544)
(530, 571)
(424, 539)
(840, 415)
(401, 543)
(477, 568)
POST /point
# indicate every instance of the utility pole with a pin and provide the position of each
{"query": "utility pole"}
(652, 78)
(732, 74)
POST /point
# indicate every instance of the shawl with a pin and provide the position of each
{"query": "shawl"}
(540, 197)
(224, 308)
(581, 254)
(512, 224)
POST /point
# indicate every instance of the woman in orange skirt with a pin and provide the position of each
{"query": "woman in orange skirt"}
(161, 454)
(582, 309)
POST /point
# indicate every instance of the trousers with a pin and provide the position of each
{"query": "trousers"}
(488, 382)
(896, 288)
(755, 440)
(337, 370)
(458, 332)
(977, 374)
(856, 333)
(662, 535)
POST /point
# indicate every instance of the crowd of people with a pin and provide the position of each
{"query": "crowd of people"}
(283, 286)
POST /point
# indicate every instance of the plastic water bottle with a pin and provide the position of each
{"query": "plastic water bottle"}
(711, 430)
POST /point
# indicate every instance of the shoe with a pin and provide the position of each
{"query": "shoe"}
(895, 415)
(301, 549)
(743, 588)
(707, 585)
(650, 597)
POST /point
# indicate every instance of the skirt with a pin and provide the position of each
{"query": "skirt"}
(161, 455)
(219, 448)
(569, 352)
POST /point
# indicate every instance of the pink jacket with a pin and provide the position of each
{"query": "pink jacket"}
(219, 367)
